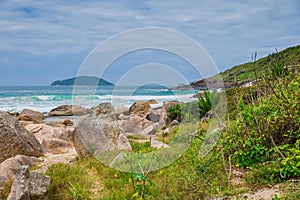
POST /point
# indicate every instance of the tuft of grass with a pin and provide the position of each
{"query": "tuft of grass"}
(141, 147)
(68, 182)
(167, 137)
(5, 188)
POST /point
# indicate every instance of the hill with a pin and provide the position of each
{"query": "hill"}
(246, 72)
(240, 74)
(82, 80)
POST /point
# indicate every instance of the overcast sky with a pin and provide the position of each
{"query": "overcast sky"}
(43, 41)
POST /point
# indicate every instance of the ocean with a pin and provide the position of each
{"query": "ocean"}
(45, 98)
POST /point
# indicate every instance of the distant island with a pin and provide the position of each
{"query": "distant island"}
(82, 80)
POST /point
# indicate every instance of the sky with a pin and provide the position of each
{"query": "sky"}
(44, 41)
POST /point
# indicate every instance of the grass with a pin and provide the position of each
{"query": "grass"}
(5, 189)
(141, 147)
(287, 57)
(167, 137)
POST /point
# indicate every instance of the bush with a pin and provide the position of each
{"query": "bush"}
(192, 111)
(266, 128)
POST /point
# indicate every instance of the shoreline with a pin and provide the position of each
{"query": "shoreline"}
(45, 99)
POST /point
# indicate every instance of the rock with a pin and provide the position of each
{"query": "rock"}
(42, 131)
(152, 101)
(123, 143)
(199, 94)
(15, 139)
(173, 123)
(158, 144)
(150, 130)
(163, 115)
(103, 109)
(68, 110)
(153, 115)
(63, 123)
(28, 185)
(123, 117)
(135, 124)
(121, 110)
(14, 114)
(99, 132)
(9, 167)
(67, 122)
(55, 146)
(139, 108)
(25, 123)
(31, 115)
(81, 149)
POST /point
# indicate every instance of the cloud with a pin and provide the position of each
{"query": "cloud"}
(229, 30)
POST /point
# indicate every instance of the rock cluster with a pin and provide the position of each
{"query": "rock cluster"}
(26, 136)
(54, 139)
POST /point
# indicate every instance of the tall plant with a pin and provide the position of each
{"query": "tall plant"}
(205, 103)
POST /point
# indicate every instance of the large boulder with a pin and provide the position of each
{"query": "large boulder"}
(31, 115)
(139, 108)
(68, 110)
(9, 167)
(28, 185)
(99, 132)
(15, 139)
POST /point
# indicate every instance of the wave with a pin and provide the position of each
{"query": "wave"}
(44, 103)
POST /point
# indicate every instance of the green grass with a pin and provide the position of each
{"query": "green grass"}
(5, 189)
(288, 57)
(141, 147)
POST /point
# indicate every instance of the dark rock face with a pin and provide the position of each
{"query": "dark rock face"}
(99, 132)
(153, 115)
(31, 115)
(68, 110)
(28, 185)
(15, 139)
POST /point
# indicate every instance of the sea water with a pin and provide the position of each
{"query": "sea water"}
(45, 98)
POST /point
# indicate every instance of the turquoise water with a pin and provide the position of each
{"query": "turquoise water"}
(45, 98)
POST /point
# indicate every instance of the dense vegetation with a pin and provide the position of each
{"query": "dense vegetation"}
(251, 70)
